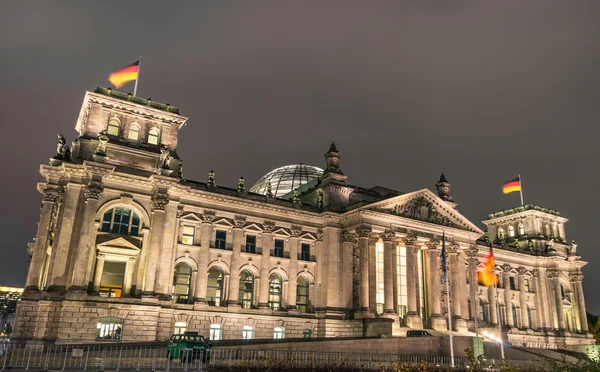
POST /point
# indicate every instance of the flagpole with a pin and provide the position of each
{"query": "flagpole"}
(138, 77)
(446, 277)
(498, 312)
(521, 190)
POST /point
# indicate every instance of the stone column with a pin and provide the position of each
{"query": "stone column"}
(350, 270)
(471, 253)
(265, 264)
(523, 298)
(38, 256)
(545, 310)
(206, 231)
(364, 234)
(492, 310)
(455, 287)
(234, 282)
(437, 322)
(577, 282)
(293, 268)
(373, 275)
(413, 319)
(553, 276)
(388, 270)
(166, 261)
(463, 271)
(140, 276)
(507, 296)
(538, 322)
(98, 272)
(320, 301)
(129, 268)
(159, 202)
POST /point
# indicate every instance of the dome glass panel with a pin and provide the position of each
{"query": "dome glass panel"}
(285, 179)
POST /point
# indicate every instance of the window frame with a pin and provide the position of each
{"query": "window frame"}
(134, 128)
(186, 238)
(157, 135)
(247, 332)
(278, 333)
(215, 300)
(114, 324)
(302, 306)
(305, 253)
(245, 302)
(278, 251)
(132, 228)
(274, 304)
(182, 298)
(250, 247)
(111, 124)
(218, 241)
(108, 289)
(216, 332)
(180, 328)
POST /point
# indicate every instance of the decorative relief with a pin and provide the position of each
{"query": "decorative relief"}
(521, 270)
(472, 252)
(239, 222)
(576, 277)
(268, 226)
(453, 248)
(410, 239)
(208, 216)
(433, 244)
(160, 201)
(348, 237)
(355, 275)
(179, 212)
(388, 235)
(553, 274)
(363, 231)
(506, 268)
(296, 230)
(52, 195)
(102, 141)
(319, 235)
(423, 210)
(93, 190)
(535, 273)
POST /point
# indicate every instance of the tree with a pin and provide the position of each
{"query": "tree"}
(595, 327)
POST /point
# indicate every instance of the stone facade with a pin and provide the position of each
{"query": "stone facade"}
(127, 249)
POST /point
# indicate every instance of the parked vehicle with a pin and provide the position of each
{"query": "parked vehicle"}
(418, 334)
(188, 346)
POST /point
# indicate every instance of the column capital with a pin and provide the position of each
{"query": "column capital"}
(388, 235)
(521, 271)
(295, 231)
(319, 235)
(553, 273)
(433, 244)
(348, 237)
(268, 226)
(506, 268)
(208, 216)
(453, 248)
(160, 201)
(363, 231)
(239, 222)
(472, 251)
(575, 277)
(180, 212)
(52, 195)
(93, 191)
(410, 239)
(535, 273)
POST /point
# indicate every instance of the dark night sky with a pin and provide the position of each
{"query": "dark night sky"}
(482, 91)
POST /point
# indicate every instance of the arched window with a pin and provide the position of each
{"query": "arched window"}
(114, 126)
(302, 295)
(120, 220)
(181, 283)
(109, 328)
(529, 321)
(511, 231)
(500, 233)
(246, 289)
(275, 288)
(153, 136)
(481, 310)
(180, 328)
(521, 229)
(134, 132)
(247, 332)
(514, 315)
(216, 332)
(214, 291)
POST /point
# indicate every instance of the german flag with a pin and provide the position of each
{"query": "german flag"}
(488, 277)
(512, 186)
(125, 75)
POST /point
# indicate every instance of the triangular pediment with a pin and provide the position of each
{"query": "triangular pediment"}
(425, 206)
(191, 217)
(120, 243)
(223, 222)
(253, 227)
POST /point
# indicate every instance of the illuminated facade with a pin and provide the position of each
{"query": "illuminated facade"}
(129, 250)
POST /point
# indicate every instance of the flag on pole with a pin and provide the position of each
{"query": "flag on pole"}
(444, 266)
(512, 186)
(488, 277)
(124, 75)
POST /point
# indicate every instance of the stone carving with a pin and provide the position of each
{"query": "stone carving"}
(576, 277)
(208, 216)
(93, 191)
(241, 186)
(550, 246)
(355, 275)
(433, 244)
(269, 193)
(472, 252)
(553, 274)
(506, 268)
(521, 270)
(320, 198)
(348, 237)
(160, 201)
(211, 178)
(268, 226)
(63, 152)
(319, 235)
(573, 249)
(535, 273)
(239, 222)
(443, 189)
(453, 248)
(423, 210)
(51, 195)
(180, 169)
(296, 197)
(410, 239)
(103, 140)
(165, 158)
(333, 157)
(296, 230)
(363, 231)
(388, 235)
(530, 245)
(180, 212)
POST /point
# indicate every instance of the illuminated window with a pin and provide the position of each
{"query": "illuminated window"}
(188, 235)
(109, 328)
(216, 332)
(420, 268)
(246, 289)
(275, 287)
(500, 233)
(214, 290)
(278, 333)
(521, 229)
(380, 293)
(402, 288)
(113, 127)
(302, 295)
(134, 132)
(247, 332)
(153, 136)
(180, 328)
(121, 221)
(181, 283)
(511, 231)
(111, 283)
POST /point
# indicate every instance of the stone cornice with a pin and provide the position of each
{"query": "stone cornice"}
(521, 215)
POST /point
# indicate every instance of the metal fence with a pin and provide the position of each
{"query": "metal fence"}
(99, 358)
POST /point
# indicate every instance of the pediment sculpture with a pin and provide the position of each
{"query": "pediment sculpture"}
(423, 210)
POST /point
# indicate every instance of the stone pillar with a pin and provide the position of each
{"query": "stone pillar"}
(413, 319)
(492, 310)
(471, 253)
(545, 310)
(388, 270)
(159, 202)
(206, 231)
(364, 234)
(166, 264)
(38, 256)
(58, 270)
(350, 270)
(140, 276)
(523, 298)
(507, 296)
(437, 322)
(87, 240)
(98, 272)
(553, 276)
(234, 282)
(577, 283)
(129, 268)
(373, 275)
(265, 265)
(456, 287)
(293, 268)
(535, 288)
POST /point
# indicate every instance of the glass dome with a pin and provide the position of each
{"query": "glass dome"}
(285, 179)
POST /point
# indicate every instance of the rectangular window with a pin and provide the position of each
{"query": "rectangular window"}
(188, 235)
(307, 333)
(220, 239)
(247, 333)
(305, 252)
(216, 332)
(513, 286)
(121, 221)
(402, 287)
(180, 328)
(278, 251)
(111, 283)
(379, 282)
(109, 328)
(526, 284)
(278, 333)
(251, 243)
